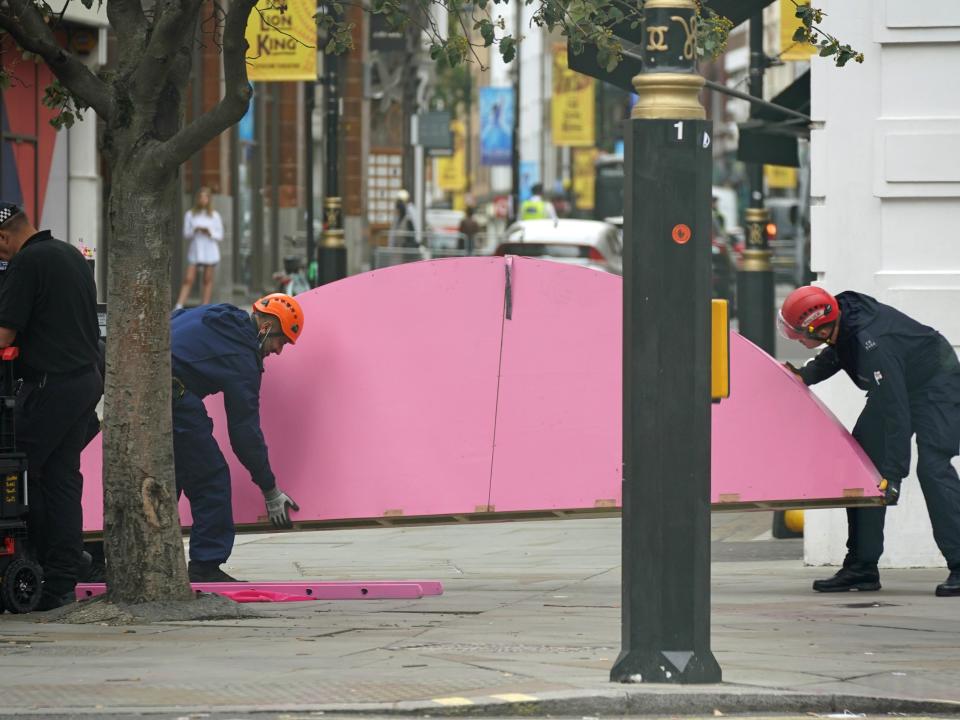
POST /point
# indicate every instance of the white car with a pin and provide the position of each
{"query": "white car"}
(589, 243)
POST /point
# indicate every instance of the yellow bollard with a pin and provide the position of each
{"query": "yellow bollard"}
(793, 519)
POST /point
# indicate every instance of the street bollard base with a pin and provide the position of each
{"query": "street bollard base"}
(666, 666)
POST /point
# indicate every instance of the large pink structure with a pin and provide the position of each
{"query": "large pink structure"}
(480, 387)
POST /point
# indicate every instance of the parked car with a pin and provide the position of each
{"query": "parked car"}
(590, 243)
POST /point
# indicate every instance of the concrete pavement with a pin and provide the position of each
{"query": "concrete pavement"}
(529, 624)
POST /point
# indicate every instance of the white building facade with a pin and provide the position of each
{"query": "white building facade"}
(885, 208)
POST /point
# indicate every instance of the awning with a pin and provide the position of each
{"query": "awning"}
(771, 138)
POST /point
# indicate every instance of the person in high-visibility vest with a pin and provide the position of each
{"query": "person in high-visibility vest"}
(536, 208)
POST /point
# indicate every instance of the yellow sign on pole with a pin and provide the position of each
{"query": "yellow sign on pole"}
(791, 49)
(572, 107)
(452, 169)
(780, 177)
(283, 41)
(584, 178)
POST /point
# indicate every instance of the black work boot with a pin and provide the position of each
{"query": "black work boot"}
(852, 578)
(51, 601)
(950, 588)
(207, 572)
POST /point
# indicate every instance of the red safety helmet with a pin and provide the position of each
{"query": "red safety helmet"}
(805, 311)
(286, 309)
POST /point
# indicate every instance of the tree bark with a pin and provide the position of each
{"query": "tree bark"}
(143, 544)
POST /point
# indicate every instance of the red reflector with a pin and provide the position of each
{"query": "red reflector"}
(595, 254)
(8, 547)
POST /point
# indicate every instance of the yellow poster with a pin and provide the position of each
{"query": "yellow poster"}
(283, 41)
(573, 104)
(452, 169)
(780, 177)
(789, 22)
(584, 178)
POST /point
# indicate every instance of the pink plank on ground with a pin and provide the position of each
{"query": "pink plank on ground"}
(328, 590)
(411, 394)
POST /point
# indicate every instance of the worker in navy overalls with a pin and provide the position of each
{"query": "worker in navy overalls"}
(221, 348)
(912, 379)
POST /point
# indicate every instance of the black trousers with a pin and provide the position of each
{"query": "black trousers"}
(935, 418)
(52, 429)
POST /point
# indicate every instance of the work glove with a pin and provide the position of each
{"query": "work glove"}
(277, 504)
(890, 490)
(793, 369)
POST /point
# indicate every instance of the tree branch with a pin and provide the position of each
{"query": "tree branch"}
(129, 23)
(178, 149)
(174, 20)
(26, 26)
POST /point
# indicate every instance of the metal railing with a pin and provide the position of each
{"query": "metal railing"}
(403, 246)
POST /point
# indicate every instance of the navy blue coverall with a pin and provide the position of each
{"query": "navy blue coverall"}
(912, 378)
(215, 349)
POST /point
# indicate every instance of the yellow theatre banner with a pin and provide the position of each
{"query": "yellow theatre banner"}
(789, 22)
(585, 178)
(283, 44)
(573, 110)
(452, 169)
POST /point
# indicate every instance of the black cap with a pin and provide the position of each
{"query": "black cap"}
(8, 210)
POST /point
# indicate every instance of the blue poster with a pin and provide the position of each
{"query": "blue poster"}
(496, 125)
(529, 176)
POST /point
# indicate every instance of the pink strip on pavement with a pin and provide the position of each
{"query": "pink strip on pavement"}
(329, 590)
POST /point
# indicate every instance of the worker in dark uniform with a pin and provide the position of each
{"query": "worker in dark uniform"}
(221, 348)
(912, 378)
(48, 308)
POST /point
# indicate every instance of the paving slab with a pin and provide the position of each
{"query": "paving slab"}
(529, 623)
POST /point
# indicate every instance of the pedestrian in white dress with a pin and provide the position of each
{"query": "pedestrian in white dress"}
(203, 229)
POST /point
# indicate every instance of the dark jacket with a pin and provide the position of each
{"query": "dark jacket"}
(892, 357)
(214, 349)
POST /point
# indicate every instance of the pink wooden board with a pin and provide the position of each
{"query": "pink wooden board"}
(329, 590)
(558, 416)
(389, 403)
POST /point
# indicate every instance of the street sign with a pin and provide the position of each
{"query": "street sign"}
(384, 37)
(433, 130)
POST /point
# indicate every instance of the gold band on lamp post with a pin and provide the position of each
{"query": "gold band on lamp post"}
(669, 86)
(333, 223)
(756, 256)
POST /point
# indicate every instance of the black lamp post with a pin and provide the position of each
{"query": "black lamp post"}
(332, 253)
(666, 362)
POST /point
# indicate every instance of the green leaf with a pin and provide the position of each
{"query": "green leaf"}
(508, 48)
(800, 34)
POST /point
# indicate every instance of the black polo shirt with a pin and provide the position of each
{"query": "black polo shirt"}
(49, 297)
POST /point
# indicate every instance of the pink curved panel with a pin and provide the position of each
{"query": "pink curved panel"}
(764, 435)
(411, 393)
(558, 416)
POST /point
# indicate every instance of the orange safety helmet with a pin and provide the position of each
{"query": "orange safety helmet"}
(805, 311)
(286, 309)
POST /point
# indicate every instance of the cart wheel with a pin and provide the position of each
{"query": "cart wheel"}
(21, 586)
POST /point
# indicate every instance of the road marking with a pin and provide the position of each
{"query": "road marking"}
(515, 697)
(453, 701)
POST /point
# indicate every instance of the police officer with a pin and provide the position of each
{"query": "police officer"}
(536, 208)
(221, 348)
(912, 378)
(48, 308)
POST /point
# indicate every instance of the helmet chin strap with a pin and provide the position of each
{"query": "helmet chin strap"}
(263, 332)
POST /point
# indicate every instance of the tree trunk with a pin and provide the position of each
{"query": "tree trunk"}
(143, 545)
